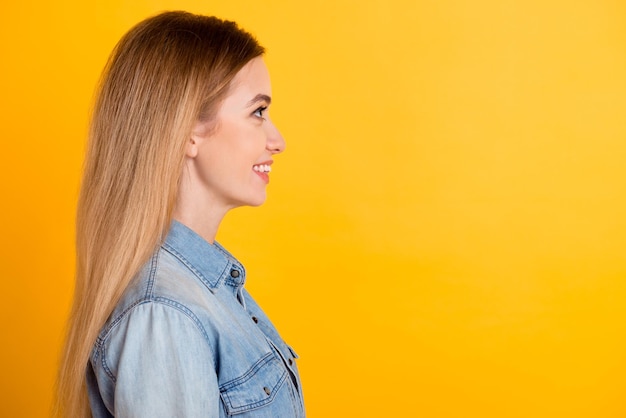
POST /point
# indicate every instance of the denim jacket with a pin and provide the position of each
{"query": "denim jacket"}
(187, 340)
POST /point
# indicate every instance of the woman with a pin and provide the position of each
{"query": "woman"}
(161, 325)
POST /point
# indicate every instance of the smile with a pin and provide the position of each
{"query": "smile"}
(262, 168)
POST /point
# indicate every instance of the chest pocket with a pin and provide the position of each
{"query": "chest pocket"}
(256, 388)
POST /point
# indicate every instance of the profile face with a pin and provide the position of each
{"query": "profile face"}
(231, 163)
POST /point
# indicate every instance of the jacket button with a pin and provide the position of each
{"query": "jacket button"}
(291, 362)
(255, 319)
(267, 391)
(234, 273)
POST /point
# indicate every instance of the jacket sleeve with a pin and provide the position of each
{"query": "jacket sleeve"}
(160, 363)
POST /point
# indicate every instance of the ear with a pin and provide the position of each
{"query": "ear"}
(198, 135)
(192, 147)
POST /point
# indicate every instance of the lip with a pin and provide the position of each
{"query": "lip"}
(264, 176)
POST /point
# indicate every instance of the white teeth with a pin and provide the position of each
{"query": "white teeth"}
(262, 168)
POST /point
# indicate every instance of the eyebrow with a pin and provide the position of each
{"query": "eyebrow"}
(260, 98)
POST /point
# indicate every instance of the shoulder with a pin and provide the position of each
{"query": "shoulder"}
(164, 310)
(164, 279)
(164, 292)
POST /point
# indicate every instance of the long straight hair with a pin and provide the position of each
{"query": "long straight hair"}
(166, 74)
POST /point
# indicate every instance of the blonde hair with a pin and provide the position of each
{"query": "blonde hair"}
(165, 74)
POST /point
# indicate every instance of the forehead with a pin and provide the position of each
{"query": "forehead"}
(253, 79)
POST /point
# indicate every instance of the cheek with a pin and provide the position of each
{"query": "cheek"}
(239, 143)
(249, 144)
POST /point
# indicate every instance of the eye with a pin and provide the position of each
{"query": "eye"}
(260, 112)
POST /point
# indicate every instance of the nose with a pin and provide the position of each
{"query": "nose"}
(275, 141)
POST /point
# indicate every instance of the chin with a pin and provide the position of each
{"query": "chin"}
(257, 203)
(257, 200)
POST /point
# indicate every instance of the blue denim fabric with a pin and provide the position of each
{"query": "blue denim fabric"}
(187, 340)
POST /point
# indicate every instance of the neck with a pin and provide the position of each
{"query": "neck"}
(202, 220)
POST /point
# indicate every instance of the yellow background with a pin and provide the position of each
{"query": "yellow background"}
(445, 235)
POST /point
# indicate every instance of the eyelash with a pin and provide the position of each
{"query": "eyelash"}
(259, 112)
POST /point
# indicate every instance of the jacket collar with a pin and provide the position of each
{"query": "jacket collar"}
(211, 263)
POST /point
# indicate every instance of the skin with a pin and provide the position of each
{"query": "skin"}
(218, 175)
